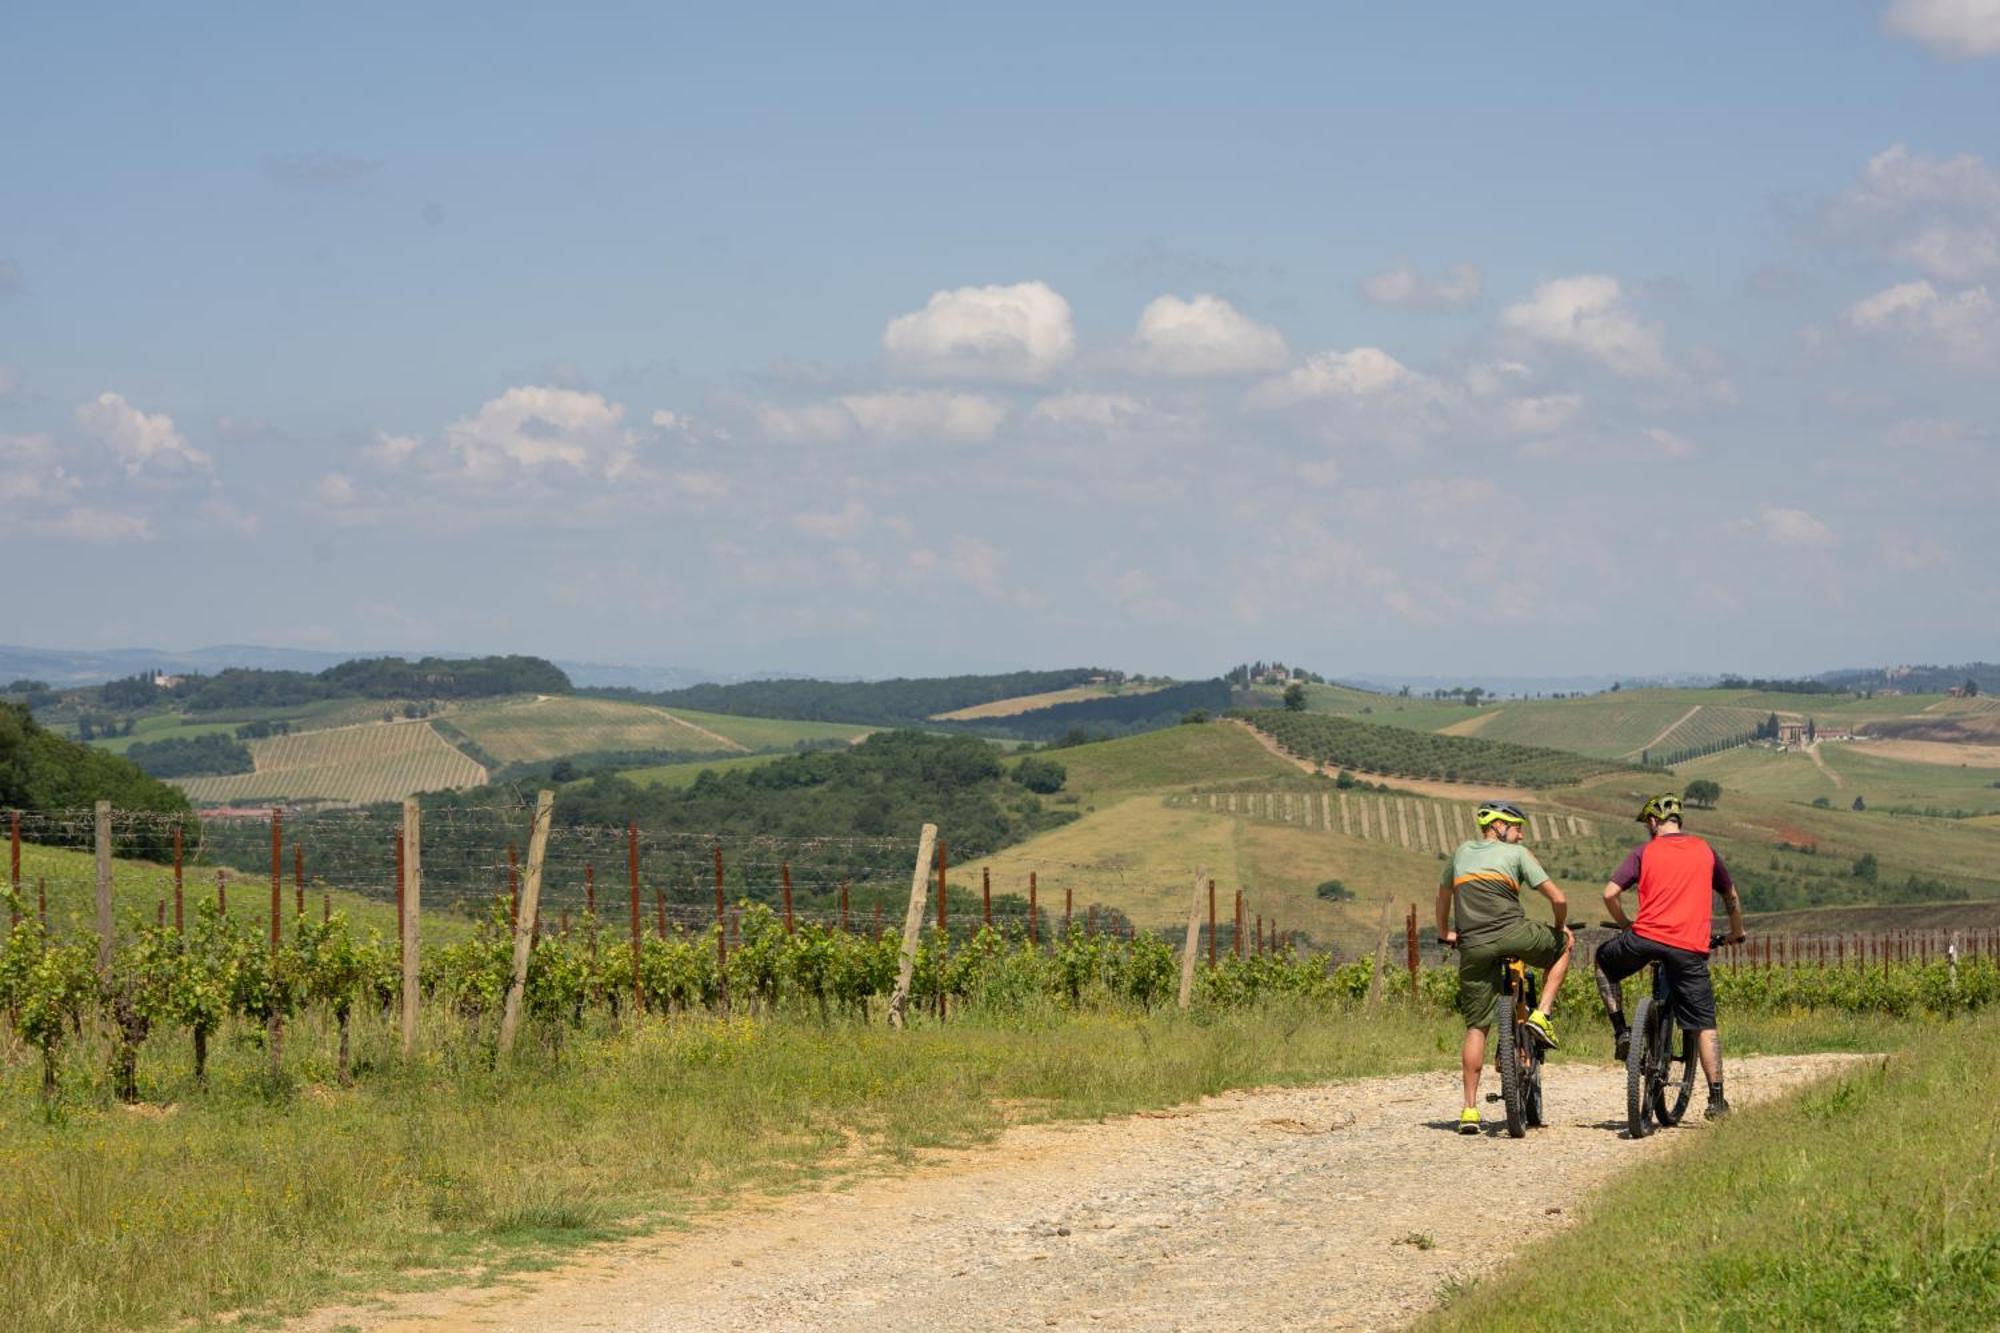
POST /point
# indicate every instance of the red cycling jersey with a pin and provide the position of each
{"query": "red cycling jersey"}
(1677, 874)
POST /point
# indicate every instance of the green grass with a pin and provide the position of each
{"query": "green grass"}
(276, 1199)
(162, 726)
(1175, 758)
(1869, 1202)
(767, 733)
(529, 728)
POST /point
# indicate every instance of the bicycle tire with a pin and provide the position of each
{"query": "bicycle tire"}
(1536, 1118)
(1638, 1107)
(1670, 1103)
(1508, 1058)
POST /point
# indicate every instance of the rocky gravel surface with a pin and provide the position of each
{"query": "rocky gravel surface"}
(1346, 1205)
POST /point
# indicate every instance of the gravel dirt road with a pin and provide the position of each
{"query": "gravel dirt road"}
(1345, 1205)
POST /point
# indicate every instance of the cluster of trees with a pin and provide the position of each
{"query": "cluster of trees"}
(895, 702)
(367, 678)
(1114, 715)
(1245, 674)
(40, 770)
(1339, 742)
(1777, 686)
(211, 754)
(1966, 677)
(34, 695)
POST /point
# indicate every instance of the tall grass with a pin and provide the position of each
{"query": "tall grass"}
(1869, 1202)
(276, 1195)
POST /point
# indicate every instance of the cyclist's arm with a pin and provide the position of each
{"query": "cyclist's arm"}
(1623, 878)
(1549, 889)
(1614, 903)
(1726, 886)
(1445, 932)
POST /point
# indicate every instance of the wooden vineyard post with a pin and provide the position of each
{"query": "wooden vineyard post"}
(913, 924)
(721, 932)
(513, 887)
(529, 901)
(222, 892)
(1211, 925)
(275, 1028)
(105, 924)
(277, 874)
(632, 879)
(1236, 940)
(1193, 941)
(1412, 939)
(843, 907)
(179, 926)
(986, 896)
(412, 878)
(1260, 934)
(944, 893)
(1069, 907)
(1381, 955)
(785, 874)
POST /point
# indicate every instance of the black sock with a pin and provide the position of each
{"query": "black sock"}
(1715, 1091)
(1618, 1025)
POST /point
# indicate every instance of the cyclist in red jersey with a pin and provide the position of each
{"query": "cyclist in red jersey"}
(1677, 875)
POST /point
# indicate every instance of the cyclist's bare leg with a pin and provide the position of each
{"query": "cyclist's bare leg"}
(1471, 1057)
(1613, 997)
(1553, 982)
(1710, 1047)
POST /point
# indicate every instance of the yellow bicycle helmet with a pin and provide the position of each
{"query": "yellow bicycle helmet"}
(1498, 812)
(1665, 806)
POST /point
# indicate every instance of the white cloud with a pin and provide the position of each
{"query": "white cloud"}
(906, 415)
(975, 563)
(1670, 444)
(1016, 333)
(1941, 215)
(392, 451)
(814, 423)
(336, 489)
(1363, 372)
(1962, 328)
(532, 429)
(1910, 554)
(1954, 29)
(1205, 336)
(218, 512)
(843, 524)
(86, 524)
(1587, 314)
(1101, 411)
(1404, 286)
(1794, 527)
(142, 441)
(1542, 414)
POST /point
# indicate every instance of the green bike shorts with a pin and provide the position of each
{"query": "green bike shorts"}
(1482, 967)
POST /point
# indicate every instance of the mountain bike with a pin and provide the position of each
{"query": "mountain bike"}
(1656, 1096)
(1517, 1052)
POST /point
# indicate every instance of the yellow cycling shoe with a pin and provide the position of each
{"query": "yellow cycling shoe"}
(1468, 1121)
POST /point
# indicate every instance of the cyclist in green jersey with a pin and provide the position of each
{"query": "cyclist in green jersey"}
(1479, 911)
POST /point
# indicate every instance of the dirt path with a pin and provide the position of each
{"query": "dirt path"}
(1819, 762)
(1449, 791)
(1338, 1206)
(722, 742)
(1665, 732)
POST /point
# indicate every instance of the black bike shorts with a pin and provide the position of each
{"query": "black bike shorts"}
(1688, 982)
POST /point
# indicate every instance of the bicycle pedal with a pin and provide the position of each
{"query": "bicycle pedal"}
(1492, 1096)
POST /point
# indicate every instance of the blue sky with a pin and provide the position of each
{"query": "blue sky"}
(876, 340)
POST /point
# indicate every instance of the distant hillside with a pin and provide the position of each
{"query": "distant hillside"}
(1118, 715)
(40, 770)
(902, 701)
(1917, 679)
(1339, 742)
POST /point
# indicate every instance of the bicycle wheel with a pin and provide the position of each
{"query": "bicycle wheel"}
(1508, 1058)
(1536, 1120)
(1638, 1106)
(1670, 1101)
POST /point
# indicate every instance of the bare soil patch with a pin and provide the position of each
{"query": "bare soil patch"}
(1336, 1206)
(1954, 754)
